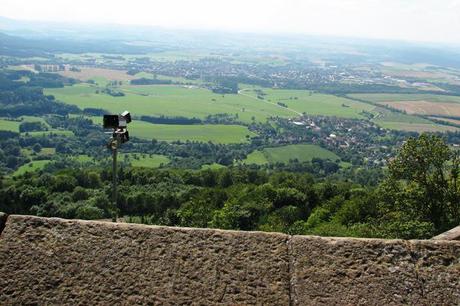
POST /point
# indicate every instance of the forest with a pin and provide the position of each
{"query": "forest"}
(417, 197)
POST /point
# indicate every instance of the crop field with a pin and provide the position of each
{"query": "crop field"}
(156, 100)
(416, 104)
(144, 160)
(454, 121)
(314, 104)
(416, 127)
(147, 75)
(377, 98)
(301, 152)
(217, 133)
(426, 108)
(419, 104)
(403, 122)
(419, 71)
(89, 73)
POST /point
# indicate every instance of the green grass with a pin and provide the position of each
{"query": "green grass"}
(8, 125)
(416, 127)
(50, 132)
(315, 104)
(82, 158)
(256, 158)
(145, 160)
(217, 133)
(213, 166)
(156, 100)
(301, 152)
(147, 75)
(32, 166)
(377, 98)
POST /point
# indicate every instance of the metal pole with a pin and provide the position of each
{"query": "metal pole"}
(115, 144)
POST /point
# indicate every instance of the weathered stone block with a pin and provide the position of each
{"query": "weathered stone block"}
(55, 261)
(343, 271)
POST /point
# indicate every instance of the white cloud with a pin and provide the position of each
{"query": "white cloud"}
(424, 20)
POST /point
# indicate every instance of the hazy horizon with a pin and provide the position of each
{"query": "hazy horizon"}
(422, 21)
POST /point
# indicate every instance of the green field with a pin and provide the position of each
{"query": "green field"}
(174, 100)
(301, 152)
(314, 104)
(402, 122)
(377, 98)
(217, 133)
(256, 158)
(32, 166)
(416, 127)
(213, 166)
(144, 160)
(8, 125)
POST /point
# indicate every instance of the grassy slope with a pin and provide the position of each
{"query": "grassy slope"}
(145, 160)
(32, 166)
(302, 152)
(257, 158)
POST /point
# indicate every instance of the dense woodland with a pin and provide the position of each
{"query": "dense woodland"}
(418, 197)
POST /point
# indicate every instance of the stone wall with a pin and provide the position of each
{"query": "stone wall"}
(54, 262)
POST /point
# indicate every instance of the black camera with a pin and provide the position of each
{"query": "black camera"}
(117, 121)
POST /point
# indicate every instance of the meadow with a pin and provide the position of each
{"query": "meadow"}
(13, 126)
(169, 100)
(301, 152)
(303, 101)
(419, 104)
(377, 98)
(144, 160)
(217, 133)
(31, 167)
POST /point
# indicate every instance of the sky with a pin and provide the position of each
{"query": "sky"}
(413, 20)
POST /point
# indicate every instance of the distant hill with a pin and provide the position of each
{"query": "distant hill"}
(45, 47)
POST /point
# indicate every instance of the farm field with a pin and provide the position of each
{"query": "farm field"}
(426, 108)
(9, 125)
(403, 122)
(376, 98)
(301, 152)
(144, 160)
(217, 133)
(416, 127)
(256, 158)
(147, 75)
(313, 104)
(174, 100)
(31, 166)
(89, 73)
(454, 121)
(13, 126)
(419, 104)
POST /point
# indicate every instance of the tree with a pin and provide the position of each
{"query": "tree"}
(424, 175)
(37, 148)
